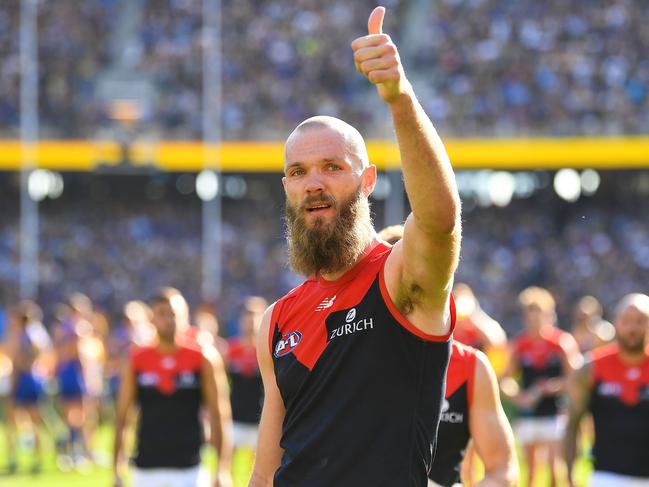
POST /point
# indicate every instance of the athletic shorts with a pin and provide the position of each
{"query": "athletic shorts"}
(544, 429)
(432, 483)
(170, 477)
(245, 434)
(29, 389)
(610, 479)
(70, 378)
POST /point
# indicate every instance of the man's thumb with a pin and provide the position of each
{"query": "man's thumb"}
(375, 22)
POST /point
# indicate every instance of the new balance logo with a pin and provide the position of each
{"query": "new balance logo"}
(326, 304)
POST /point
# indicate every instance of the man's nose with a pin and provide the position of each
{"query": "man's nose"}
(314, 183)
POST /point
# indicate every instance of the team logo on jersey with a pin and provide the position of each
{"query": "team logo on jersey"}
(445, 405)
(168, 363)
(350, 315)
(450, 416)
(351, 325)
(147, 379)
(186, 380)
(287, 343)
(633, 373)
(610, 389)
(326, 304)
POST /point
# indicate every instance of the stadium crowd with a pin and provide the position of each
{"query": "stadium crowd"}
(509, 69)
(598, 246)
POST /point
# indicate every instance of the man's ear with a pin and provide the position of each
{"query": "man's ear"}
(369, 180)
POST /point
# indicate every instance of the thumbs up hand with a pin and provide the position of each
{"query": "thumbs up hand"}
(376, 56)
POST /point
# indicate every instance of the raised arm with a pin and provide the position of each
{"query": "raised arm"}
(578, 395)
(490, 429)
(269, 453)
(217, 401)
(420, 269)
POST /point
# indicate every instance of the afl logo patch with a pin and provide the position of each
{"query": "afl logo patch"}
(287, 343)
(350, 315)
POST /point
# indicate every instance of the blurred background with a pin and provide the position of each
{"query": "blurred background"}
(141, 143)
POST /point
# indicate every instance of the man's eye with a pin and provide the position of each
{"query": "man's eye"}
(334, 167)
(297, 172)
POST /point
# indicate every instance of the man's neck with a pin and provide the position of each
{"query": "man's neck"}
(333, 276)
(633, 358)
(166, 347)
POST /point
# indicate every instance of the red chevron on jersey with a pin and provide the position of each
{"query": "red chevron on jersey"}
(536, 351)
(615, 378)
(461, 369)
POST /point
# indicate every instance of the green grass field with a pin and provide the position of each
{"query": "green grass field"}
(51, 476)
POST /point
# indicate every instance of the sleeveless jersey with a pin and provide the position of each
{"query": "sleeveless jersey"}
(246, 387)
(169, 395)
(540, 359)
(467, 333)
(620, 407)
(453, 434)
(362, 387)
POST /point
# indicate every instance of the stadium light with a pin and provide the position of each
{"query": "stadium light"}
(501, 188)
(38, 184)
(235, 187)
(55, 189)
(207, 185)
(567, 184)
(589, 182)
(186, 183)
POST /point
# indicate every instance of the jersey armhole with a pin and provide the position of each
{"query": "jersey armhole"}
(403, 321)
(274, 318)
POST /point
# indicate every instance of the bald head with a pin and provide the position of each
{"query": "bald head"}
(638, 301)
(351, 139)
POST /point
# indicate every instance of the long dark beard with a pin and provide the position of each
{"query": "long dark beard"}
(328, 248)
(631, 347)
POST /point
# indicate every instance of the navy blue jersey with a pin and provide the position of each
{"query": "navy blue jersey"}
(454, 434)
(620, 407)
(362, 387)
(169, 395)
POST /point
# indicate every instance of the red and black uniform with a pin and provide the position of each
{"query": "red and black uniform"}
(169, 395)
(540, 358)
(454, 434)
(246, 386)
(620, 406)
(467, 333)
(362, 387)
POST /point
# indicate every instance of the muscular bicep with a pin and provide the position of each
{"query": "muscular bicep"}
(419, 276)
(269, 452)
(489, 426)
(429, 259)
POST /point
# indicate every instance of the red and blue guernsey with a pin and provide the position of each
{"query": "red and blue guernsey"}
(169, 433)
(454, 433)
(362, 387)
(620, 406)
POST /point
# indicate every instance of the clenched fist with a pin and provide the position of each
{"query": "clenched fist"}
(376, 56)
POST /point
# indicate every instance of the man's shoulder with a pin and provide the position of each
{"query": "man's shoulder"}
(142, 355)
(462, 351)
(604, 353)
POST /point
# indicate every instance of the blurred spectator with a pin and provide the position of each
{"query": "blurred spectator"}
(482, 67)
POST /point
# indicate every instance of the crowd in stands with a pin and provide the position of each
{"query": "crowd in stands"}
(73, 49)
(482, 67)
(125, 246)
